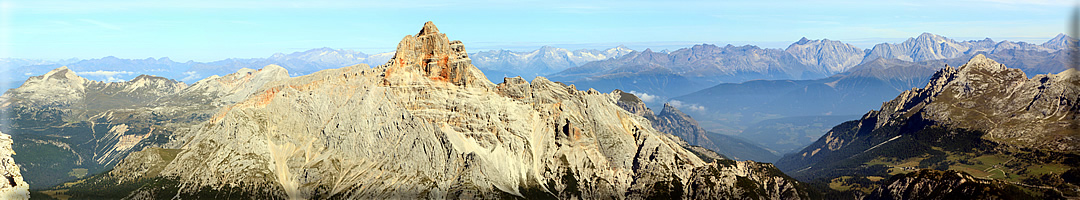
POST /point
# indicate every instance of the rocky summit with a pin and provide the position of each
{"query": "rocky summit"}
(428, 124)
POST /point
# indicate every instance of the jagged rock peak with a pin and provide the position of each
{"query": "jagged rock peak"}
(803, 41)
(1059, 42)
(429, 58)
(61, 72)
(980, 61)
(632, 103)
(671, 110)
(429, 28)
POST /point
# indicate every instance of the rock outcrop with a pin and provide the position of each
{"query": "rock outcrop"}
(671, 120)
(977, 111)
(430, 55)
(691, 135)
(934, 184)
(429, 125)
(981, 95)
(1042, 112)
(12, 186)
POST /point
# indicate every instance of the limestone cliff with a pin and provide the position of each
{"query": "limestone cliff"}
(429, 125)
(12, 186)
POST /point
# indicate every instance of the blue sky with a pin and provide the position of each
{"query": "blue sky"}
(211, 30)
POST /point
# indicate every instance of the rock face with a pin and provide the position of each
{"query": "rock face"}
(981, 95)
(671, 120)
(67, 126)
(231, 88)
(984, 95)
(963, 115)
(934, 184)
(830, 55)
(675, 122)
(429, 125)
(12, 186)
(430, 55)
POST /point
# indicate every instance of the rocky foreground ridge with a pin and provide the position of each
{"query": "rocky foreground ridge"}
(12, 186)
(428, 124)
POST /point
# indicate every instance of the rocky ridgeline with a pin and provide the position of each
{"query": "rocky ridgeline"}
(429, 125)
(67, 123)
(670, 121)
(1041, 112)
(980, 110)
(934, 184)
(62, 88)
(12, 186)
(983, 95)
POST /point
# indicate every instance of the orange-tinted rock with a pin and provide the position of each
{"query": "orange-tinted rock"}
(430, 56)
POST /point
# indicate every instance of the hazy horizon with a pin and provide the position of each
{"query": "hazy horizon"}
(206, 31)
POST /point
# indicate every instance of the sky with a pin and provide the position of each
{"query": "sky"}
(208, 30)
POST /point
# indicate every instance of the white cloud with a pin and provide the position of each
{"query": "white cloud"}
(114, 79)
(107, 76)
(191, 76)
(686, 106)
(104, 73)
(645, 97)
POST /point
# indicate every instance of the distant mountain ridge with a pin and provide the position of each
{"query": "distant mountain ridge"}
(502, 63)
(928, 46)
(66, 126)
(831, 55)
(113, 69)
(540, 62)
(690, 69)
(981, 118)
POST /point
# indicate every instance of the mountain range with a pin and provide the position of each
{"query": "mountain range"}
(785, 115)
(426, 124)
(67, 127)
(981, 118)
(680, 72)
(497, 64)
